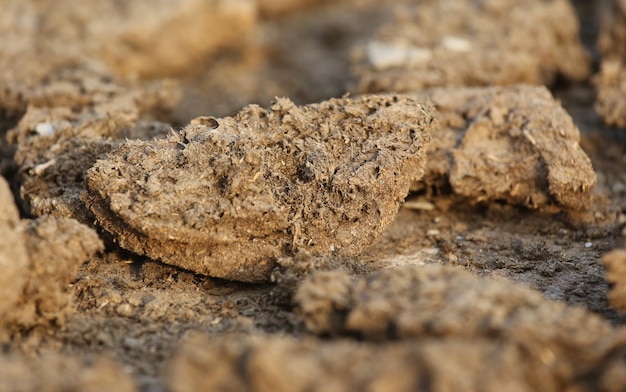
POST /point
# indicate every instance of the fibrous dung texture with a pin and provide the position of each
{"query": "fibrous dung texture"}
(227, 197)
(515, 144)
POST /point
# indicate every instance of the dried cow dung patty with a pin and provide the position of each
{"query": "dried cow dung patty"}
(451, 43)
(515, 144)
(227, 197)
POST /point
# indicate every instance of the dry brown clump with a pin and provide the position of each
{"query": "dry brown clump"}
(435, 303)
(72, 108)
(437, 328)
(613, 30)
(140, 38)
(472, 43)
(615, 267)
(515, 144)
(153, 39)
(262, 364)
(56, 249)
(61, 373)
(284, 364)
(290, 271)
(227, 197)
(611, 84)
(611, 81)
(39, 260)
(70, 122)
(13, 256)
(434, 300)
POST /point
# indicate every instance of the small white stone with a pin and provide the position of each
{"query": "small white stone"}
(432, 233)
(44, 129)
(124, 310)
(386, 55)
(588, 244)
(456, 44)
(418, 205)
(39, 169)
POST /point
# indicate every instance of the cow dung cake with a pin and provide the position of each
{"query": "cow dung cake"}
(227, 197)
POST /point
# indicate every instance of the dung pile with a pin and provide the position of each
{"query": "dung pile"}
(472, 43)
(435, 300)
(432, 327)
(227, 197)
(39, 259)
(515, 144)
(87, 116)
(284, 364)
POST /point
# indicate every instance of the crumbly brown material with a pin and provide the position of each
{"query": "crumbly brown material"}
(615, 266)
(69, 123)
(62, 373)
(13, 256)
(153, 47)
(279, 364)
(141, 38)
(434, 300)
(613, 30)
(227, 197)
(235, 363)
(472, 43)
(71, 107)
(445, 306)
(611, 81)
(515, 144)
(290, 271)
(137, 311)
(56, 249)
(611, 85)
(38, 260)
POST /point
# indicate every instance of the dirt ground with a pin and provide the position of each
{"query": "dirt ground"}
(492, 282)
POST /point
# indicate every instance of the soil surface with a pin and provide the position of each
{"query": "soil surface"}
(159, 234)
